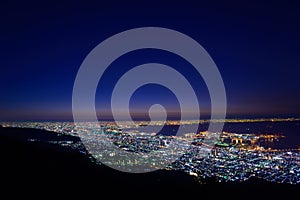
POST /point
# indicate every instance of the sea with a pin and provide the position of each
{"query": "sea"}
(289, 129)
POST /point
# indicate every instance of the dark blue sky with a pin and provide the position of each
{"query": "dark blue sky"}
(255, 46)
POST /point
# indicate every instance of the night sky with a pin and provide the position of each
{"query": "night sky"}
(256, 47)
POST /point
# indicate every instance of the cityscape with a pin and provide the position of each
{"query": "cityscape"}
(235, 157)
(138, 99)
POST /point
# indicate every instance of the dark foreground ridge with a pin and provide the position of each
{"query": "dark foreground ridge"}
(41, 166)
